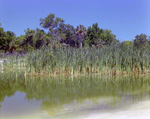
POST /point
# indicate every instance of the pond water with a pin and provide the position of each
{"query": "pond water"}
(34, 97)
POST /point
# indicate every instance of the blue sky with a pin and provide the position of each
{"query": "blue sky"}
(126, 18)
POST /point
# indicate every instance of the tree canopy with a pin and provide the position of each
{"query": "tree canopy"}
(65, 35)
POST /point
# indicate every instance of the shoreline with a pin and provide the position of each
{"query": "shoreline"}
(140, 110)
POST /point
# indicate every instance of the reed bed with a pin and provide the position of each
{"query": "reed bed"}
(111, 60)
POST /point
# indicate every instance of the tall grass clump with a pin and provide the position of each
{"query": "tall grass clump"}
(110, 60)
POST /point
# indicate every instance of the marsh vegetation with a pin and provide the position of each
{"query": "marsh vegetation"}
(65, 50)
(112, 60)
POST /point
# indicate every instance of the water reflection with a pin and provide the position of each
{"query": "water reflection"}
(61, 95)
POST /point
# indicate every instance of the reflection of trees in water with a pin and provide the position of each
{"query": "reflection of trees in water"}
(55, 92)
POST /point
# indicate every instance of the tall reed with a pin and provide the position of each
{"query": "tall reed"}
(110, 60)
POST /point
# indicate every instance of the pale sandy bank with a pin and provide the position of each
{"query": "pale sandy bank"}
(140, 110)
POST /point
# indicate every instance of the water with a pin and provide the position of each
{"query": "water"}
(68, 97)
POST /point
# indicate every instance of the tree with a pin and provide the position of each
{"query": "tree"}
(99, 37)
(51, 23)
(126, 45)
(18, 43)
(2, 38)
(140, 41)
(5, 39)
(107, 36)
(39, 38)
(80, 31)
(20, 39)
(11, 37)
(66, 34)
(93, 34)
(28, 42)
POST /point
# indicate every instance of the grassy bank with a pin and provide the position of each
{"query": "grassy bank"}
(111, 60)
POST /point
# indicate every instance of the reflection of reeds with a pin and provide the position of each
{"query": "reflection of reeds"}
(54, 92)
(111, 60)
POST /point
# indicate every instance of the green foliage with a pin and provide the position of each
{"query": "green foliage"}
(2, 38)
(33, 38)
(39, 38)
(127, 45)
(140, 41)
(27, 43)
(19, 40)
(99, 37)
(107, 36)
(110, 60)
(93, 34)
(51, 23)
(65, 35)
(5, 39)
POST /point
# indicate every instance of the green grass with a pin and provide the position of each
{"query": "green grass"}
(111, 60)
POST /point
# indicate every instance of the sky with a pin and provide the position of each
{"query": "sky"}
(125, 18)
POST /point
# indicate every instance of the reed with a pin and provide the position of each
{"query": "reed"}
(111, 60)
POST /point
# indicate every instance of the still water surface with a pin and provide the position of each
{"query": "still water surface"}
(68, 97)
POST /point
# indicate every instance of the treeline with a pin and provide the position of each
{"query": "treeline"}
(64, 35)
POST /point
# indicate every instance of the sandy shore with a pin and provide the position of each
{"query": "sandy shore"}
(140, 110)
